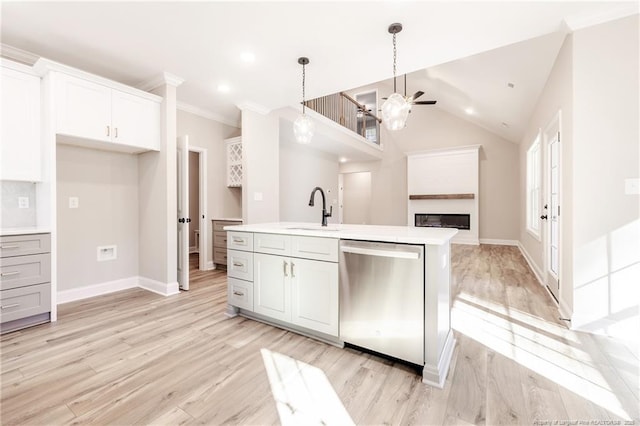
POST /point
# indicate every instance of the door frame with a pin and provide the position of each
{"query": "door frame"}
(554, 127)
(202, 214)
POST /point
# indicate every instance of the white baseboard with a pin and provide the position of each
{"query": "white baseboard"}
(164, 289)
(536, 271)
(564, 310)
(73, 294)
(210, 266)
(466, 242)
(193, 249)
(499, 242)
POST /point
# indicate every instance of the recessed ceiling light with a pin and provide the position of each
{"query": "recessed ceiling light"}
(343, 160)
(224, 88)
(469, 111)
(248, 57)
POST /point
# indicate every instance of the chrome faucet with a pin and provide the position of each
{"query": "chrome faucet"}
(325, 215)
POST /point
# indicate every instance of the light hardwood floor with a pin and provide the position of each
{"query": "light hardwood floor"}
(134, 357)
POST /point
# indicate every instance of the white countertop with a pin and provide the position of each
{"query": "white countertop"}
(393, 234)
(228, 219)
(6, 232)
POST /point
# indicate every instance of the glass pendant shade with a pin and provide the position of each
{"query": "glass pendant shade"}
(303, 129)
(395, 111)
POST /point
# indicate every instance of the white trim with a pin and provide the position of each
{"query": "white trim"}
(164, 289)
(536, 270)
(465, 241)
(564, 310)
(499, 242)
(445, 151)
(18, 55)
(250, 106)
(205, 113)
(18, 66)
(210, 266)
(193, 249)
(161, 79)
(79, 293)
(437, 376)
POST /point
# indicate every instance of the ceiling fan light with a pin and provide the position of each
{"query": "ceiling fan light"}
(395, 111)
(303, 129)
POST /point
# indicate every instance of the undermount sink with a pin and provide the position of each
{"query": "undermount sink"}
(309, 228)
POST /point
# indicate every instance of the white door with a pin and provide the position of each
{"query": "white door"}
(553, 214)
(182, 161)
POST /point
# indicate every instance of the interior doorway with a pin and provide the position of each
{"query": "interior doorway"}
(355, 198)
(198, 227)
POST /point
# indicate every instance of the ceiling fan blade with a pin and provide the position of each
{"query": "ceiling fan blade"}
(416, 95)
(425, 103)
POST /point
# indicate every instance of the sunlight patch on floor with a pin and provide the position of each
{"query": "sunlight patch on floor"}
(302, 392)
(556, 359)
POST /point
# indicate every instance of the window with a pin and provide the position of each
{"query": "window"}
(533, 187)
(371, 126)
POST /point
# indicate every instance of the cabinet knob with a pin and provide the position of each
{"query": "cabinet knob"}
(238, 293)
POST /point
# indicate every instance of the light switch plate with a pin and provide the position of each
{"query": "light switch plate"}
(74, 202)
(257, 196)
(632, 186)
(23, 202)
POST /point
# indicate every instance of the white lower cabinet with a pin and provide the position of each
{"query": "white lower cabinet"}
(299, 291)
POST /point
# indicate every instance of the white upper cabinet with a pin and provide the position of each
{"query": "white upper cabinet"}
(234, 162)
(20, 149)
(93, 111)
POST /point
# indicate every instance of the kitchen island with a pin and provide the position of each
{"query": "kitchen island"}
(314, 280)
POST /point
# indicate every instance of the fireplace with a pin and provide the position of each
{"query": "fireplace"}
(443, 220)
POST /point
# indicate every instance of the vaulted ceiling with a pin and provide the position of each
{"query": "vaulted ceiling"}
(462, 53)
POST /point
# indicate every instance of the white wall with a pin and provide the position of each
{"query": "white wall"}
(302, 168)
(606, 221)
(210, 135)
(106, 184)
(431, 128)
(260, 165)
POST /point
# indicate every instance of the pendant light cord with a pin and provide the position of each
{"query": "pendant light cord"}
(395, 52)
(303, 80)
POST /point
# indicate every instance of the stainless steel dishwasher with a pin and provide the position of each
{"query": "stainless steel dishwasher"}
(382, 298)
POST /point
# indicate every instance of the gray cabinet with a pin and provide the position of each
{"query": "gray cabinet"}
(25, 281)
(220, 240)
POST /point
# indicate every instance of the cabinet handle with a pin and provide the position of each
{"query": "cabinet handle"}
(8, 247)
(8, 274)
(238, 264)
(238, 240)
(9, 306)
(284, 268)
(238, 293)
(108, 131)
(293, 274)
(115, 129)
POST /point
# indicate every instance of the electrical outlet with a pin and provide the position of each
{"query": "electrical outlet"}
(257, 196)
(23, 202)
(74, 202)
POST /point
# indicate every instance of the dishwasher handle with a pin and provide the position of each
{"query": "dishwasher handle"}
(381, 252)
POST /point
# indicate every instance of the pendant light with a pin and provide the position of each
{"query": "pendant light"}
(395, 110)
(303, 126)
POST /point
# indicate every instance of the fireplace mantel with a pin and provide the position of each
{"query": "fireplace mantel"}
(442, 196)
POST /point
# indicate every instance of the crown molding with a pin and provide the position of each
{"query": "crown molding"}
(250, 106)
(205, 113)
(161, 79)
(18, 55)
(612, 13)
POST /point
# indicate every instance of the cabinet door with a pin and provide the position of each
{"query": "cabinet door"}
(83, 108)
(271, 286)
(135, 120)
(20, 148)
(314, 295)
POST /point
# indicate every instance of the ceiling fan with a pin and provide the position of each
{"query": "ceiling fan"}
(412, 98)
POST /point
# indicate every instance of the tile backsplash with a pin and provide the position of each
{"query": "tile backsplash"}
(12, 215)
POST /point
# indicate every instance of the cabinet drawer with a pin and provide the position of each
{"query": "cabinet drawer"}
(240, 293)
(20, 271)
(240, 240)
(24, 302)
(220, 239)
(19, 245)
(218, 225)
(220, 256)
(272, 244)
(240, 264)
(316, 248)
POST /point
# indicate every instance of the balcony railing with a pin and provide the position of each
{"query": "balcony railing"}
(349, 113)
